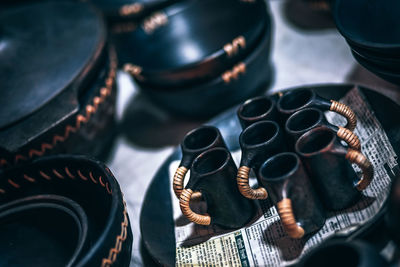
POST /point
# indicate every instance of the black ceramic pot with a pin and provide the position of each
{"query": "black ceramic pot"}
(194, 143)
(213, 174)
(203, 65)
(63, 211)
(341, 253)
(58, 81)
(260, 108)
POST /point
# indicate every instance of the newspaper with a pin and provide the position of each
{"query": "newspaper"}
(263, 242)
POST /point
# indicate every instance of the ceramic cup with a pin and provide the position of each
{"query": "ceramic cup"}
(306, 119)
(293, 195)
(194, 143)
(294, 100)
(257, 109)
(329, 164)
(213, 174)
(258, 142)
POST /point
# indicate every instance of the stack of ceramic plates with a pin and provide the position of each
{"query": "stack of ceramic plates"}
(199, 57)
(372, 29)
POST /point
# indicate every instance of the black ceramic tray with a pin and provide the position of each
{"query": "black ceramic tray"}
(156, 219)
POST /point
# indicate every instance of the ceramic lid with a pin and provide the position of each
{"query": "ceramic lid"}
(46, 48)
(193, 40)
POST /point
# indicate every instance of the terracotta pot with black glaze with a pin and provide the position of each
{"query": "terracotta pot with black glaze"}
(63, 211)
(58, 81)
(210, 55)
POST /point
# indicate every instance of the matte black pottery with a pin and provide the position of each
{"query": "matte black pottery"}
(306, 119)
(258, 142)
(194, 143)
(63, 211)
(256, 109)
(345, 254)
(292, 193)
(213, 174)
(294, 100)
(194, 74)
(58, 81)
(329, 164)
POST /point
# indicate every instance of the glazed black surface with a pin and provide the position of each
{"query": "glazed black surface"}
(32, 69)
(257, 109)
(213, 173)
(284, 176)
(100, 199)
(332, 174)
(188, 49)
(156, 218)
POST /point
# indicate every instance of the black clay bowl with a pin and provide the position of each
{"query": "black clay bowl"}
(382, 62)
(68, 205)
(58, 89)
(192, 41)
(209, 98)
(372, 24)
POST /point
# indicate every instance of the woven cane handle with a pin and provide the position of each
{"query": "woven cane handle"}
(184, 202)
(365, 165)
(288, 220)
(177, 183)
(350, 138)
(345, 111)
(244, 187)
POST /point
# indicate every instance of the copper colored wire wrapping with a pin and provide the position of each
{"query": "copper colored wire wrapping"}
(345, 111)
(288, 220)
(184, 203)
(244, 187)
(177, 184)
(365, 165)
(350, 138)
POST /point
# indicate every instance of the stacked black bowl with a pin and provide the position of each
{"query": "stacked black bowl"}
(372, 30)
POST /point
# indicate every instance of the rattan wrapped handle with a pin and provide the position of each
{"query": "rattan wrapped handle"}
(177, 183)
(288, 220)
(184, 203)
(244, 187)
(350, 138)
(345, 111)
(365, 165)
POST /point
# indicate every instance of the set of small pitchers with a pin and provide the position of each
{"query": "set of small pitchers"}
(304, 169)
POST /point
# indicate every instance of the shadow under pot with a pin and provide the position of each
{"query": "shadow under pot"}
(59, 97)
(329, 164)
(343, 253)
(260, 108)
(63, 211)
(258, 142)
(213, 174)
(292, 193)
(309, 118)
(297, 99)
(194, 143)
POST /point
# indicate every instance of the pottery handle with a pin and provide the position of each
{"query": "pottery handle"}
(349, 137)
(184, 203)
(365, 165)
(244, 187)
(177, 183)
(346, 112)
(288, 220)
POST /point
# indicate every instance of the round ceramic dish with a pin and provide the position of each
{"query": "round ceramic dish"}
(371, 24)
(63, 211)
(58, 89)
(192, 41)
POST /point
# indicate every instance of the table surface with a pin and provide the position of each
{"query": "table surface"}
(307, 49)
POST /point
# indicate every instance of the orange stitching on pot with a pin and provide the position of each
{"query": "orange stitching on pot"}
(101, 182)
(45, 175)
(91, 177)
(58, 174)
(69, 173)
(30, 179)
(89, 109)
(108, 189)
(2, 191)
(11, 182)
(113, 253)
(82, 176)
